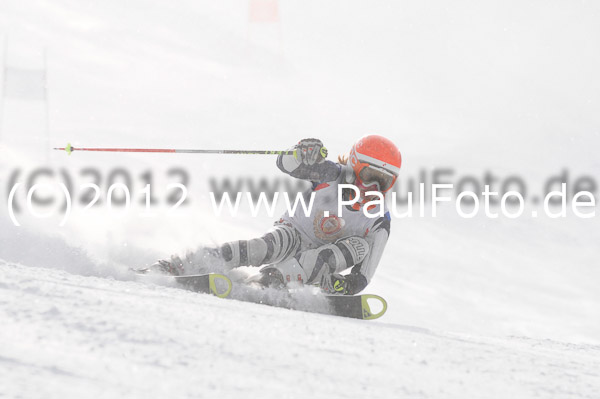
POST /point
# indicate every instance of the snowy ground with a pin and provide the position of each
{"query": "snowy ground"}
(477, 308)
(66, 335)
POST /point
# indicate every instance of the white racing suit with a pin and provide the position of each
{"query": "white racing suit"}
(312, 249)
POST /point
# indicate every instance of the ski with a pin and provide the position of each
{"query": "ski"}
(212, 283)
(353, 306)
(356, 306)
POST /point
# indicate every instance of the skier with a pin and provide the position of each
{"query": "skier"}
(315, 249)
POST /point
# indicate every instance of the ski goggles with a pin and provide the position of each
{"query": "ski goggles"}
(370, 175)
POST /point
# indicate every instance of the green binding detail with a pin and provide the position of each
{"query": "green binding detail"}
(69, 149)
(366, 310)
(295, 154)
(213, 286)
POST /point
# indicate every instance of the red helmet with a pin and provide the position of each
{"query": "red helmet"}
(376, 163)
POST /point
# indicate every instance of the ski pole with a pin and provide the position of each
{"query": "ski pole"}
(69, 149)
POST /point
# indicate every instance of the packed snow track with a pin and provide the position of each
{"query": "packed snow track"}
(99, 337)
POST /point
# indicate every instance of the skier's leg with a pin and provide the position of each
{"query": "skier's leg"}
(311, 266)
(280, 243)
(277, 245)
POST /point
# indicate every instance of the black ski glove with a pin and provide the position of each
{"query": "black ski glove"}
(310, 151)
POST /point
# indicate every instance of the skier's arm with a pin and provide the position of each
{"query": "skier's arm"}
(308, 163)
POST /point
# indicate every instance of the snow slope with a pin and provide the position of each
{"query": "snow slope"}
(66, 335)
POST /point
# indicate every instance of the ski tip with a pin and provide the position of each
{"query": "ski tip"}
(213, 282)
(366, 309)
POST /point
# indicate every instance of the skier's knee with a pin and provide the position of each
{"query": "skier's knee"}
(333, 258)
(354, 249)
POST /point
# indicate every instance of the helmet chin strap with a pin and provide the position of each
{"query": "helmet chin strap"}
(349, 177)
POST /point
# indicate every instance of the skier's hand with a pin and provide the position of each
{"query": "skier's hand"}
(173, 266)
(310, 151)
(346, 285)
(339, 285)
